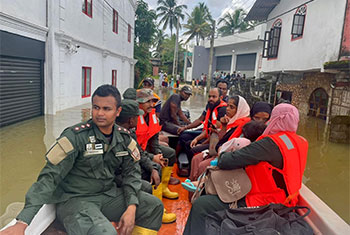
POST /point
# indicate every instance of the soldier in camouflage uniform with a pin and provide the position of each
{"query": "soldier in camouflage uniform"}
(79, 177)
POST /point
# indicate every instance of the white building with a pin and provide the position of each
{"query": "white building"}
(240, 52)
(301, 37)
(54, 54)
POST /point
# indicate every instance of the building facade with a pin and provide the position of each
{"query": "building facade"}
(240, 52)
(301, 38)
(59, 52)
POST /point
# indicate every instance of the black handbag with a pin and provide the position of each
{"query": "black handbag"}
(268, 220)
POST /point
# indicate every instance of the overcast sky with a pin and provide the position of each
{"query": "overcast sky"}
(217, 7)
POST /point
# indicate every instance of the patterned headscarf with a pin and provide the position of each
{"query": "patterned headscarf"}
(284, 117)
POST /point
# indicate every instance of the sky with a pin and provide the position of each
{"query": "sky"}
(218, 8)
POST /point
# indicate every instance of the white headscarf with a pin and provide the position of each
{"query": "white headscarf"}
(243, 110)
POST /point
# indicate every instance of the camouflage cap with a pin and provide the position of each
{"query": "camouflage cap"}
(144, 95)
(130, 108)
(130, 93)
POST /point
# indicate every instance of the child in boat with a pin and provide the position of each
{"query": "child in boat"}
(250, 132)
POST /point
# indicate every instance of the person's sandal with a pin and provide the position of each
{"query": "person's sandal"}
(188, 185)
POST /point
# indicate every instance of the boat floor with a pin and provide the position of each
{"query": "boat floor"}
(181, 207)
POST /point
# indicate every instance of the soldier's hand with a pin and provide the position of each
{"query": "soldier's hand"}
(155, 178)
(158, 158)
(127, 221)
(17, 229)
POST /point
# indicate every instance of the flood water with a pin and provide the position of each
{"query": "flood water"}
(23, 146)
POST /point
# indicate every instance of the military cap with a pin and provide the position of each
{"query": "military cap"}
(130, 93)
(130, 108)
(187, 90)
(144, 95)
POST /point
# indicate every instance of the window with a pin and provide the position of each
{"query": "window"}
(114, 77)
(298, 22)
(129, 33)
(272, 40)
(86, 82)
(115, 21)
(87, 7)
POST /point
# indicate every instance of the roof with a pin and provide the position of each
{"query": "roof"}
(261, 9)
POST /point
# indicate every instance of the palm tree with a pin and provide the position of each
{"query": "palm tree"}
(232, 22)
(170, 12)
(198, 23)
(158, 40)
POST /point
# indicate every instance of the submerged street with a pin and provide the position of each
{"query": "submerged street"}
(23, 146)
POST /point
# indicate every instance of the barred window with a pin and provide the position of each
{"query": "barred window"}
(298, 22)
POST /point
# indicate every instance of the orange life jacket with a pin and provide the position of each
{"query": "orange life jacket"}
(214, 116)
(239, 123)
(264, 189)
(144, 132)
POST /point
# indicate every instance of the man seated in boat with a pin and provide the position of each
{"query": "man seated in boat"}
(275, 165)
(171, 111)
(147, 132)
(150, 170)
(215, 110)
(79, 177)
(222, 84)
(148, 83)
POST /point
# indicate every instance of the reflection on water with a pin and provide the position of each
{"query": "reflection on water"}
(23, 145)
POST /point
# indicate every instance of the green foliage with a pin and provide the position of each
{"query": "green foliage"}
(198, 23)
(145, 28)
(170, 12)
(167, 55)
(234, 21)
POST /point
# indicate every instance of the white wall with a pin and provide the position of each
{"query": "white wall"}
(99, 48)
(320, 41)
(26, 18)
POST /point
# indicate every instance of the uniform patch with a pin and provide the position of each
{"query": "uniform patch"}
(59, 151)
(93, 152)
(135, 153)
(122, 153)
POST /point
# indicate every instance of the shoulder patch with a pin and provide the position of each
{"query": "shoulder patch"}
(135, 153)
(59, 151)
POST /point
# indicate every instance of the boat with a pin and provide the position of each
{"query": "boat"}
(322, 219)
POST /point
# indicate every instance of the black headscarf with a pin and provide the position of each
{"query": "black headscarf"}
(260, 106)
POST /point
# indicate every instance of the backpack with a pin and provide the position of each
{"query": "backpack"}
(268, 220)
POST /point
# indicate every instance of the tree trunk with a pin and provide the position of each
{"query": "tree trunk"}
(176, 50)
(211, 54)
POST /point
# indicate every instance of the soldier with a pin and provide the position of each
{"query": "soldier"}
(150, 171)
(79, 178)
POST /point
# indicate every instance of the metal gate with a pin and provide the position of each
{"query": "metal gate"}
(21, 89)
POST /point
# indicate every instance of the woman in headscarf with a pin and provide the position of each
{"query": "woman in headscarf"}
(261, 111)
(237, 115)
(275, 165)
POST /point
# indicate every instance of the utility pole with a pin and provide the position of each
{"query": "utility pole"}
(211, 54)
(176, 49)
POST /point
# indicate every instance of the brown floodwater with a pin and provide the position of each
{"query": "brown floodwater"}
(23, 146)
